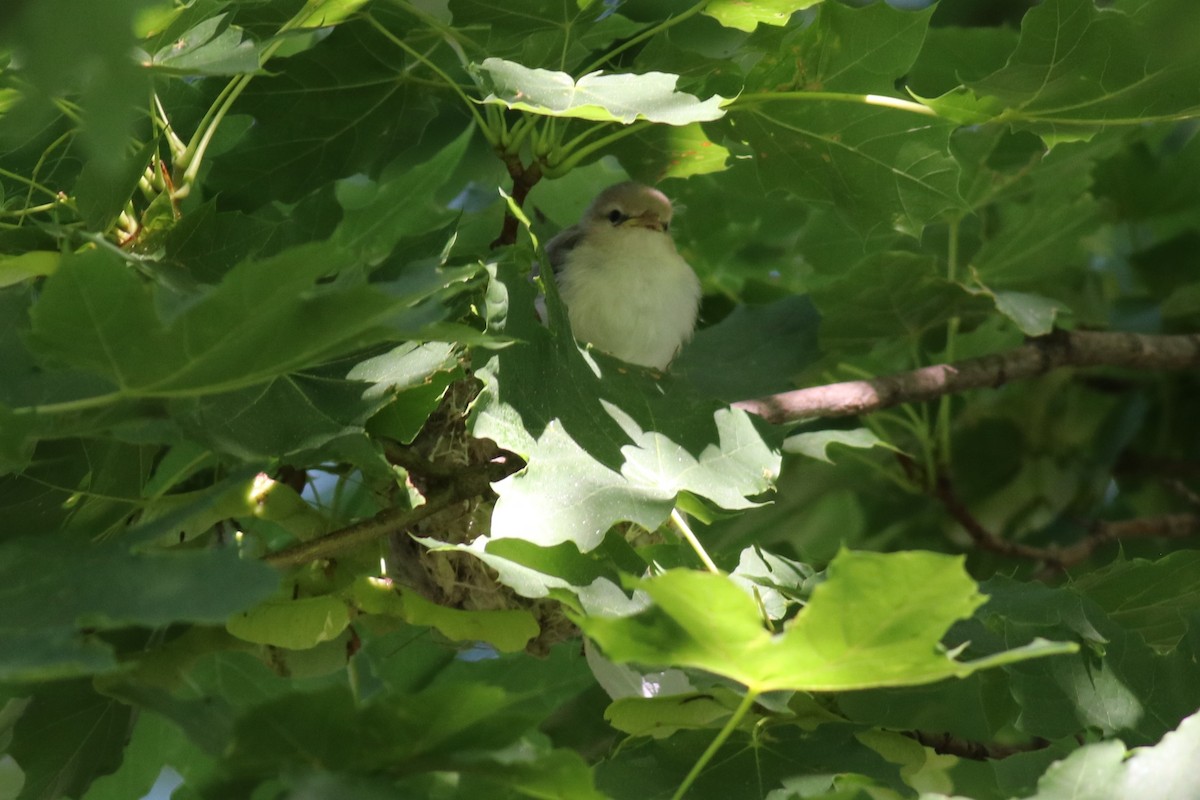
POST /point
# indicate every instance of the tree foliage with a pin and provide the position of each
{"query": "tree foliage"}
(301, 499)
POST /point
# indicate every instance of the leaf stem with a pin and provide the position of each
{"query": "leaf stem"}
(159, 117)
(193, 156)
(37, 168)
(71, 406)
(730, 726)
(755, 98)
(588, 133)
(519, 131)
(943, 416)
(686, 531)
(29, 210)
(30, 182)
(572, 161)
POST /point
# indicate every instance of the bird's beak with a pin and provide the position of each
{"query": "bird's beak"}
(648, 221)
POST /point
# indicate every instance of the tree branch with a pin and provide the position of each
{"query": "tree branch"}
(949, 745)
(469, 483)
(1165, 526)
(1036, 357)
(1057, 559)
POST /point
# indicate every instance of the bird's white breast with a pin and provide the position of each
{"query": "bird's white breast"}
(629, 293)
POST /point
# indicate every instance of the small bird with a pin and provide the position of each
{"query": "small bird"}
(626, 288)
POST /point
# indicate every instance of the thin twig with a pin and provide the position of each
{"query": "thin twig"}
(1163, 526)
(1037, 357)
(686, 531)
(1180, 489)
(470, 483)
(1056, 558)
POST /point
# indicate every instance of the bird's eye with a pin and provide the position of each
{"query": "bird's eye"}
(615, 216)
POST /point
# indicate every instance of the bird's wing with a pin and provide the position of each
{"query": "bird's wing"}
(558, 248)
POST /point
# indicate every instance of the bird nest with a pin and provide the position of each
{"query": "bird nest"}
(453, 578)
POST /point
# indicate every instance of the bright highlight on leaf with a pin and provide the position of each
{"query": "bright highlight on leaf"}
(597, 96)
(747, 16)
(877, 621)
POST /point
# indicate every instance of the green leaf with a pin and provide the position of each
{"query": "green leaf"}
(218, 344)
(816, 444)
(67, 737)
(508, 630)
(812, 761)
(1033, 314)
(468, 727)
(1184, 301)
(293, 149)
(66, 48)
(52, 589)
(620, 97)
(121, 588)
(661, 717)
(888, 295)
(1077, 67)
(1041, 239)
(658, 152)
(542, 33)
(289, 414)
(876, 621)
(879, 167)
(104, 186)
(846, 50)
(604, 442)
(154, 743)
(18, 268)
(1117, 684)
(209, 48)
(326, 13)
(296, 624)
(1104, 771)
(402, 204)
(747, 16)
(536, 572)
(1152, 598)
(52, 654)
(755, 351)
(953, 54)
(776, 583)
(287, 313)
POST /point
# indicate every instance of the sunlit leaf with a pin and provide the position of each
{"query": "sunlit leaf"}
(605, 442)
(210, 48)
(747, 16)
(871, 623)
(294, 623)
(597, 96)
(817, 443)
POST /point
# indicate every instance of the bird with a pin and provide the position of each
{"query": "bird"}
(627, 290)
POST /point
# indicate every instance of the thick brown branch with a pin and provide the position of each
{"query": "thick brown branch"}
(1037, 357)
(948, 745)
(524, 179)
(472, 482)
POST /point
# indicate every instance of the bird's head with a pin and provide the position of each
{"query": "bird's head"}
(627, 206)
